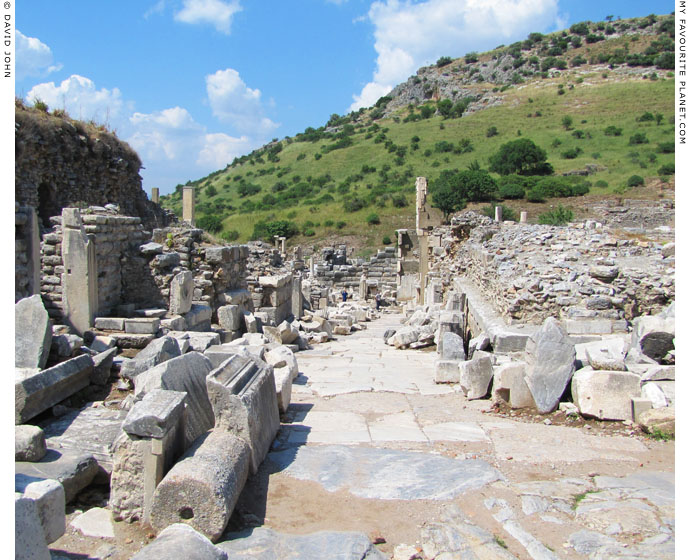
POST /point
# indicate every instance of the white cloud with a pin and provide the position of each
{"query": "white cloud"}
(34, 58)
(233, 102)
(409, 35)
(215, 12)
(157, 8)
(220, 149)
(165, 135)
(80, 98)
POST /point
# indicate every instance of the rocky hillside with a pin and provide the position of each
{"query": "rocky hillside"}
(597, 98)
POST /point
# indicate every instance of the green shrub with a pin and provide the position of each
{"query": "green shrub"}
(211, 191)
(557, 217)
(353, 204)
(572, 153)
(667, 169)
(340, 225)
(491, 131)
(373, 219)
(399, 201)
(601, 184)
(635, 181)
(645, 117)
(666, 148)
(309, 232)
(281, 228)
(552, 187)
(386, 240)
(638, 138)
(521, 156)
(536, 194)
(613, 131)
(328, 223)
(210, 223)
(232, 235)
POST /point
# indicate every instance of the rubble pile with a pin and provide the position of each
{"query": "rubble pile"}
(581, 272)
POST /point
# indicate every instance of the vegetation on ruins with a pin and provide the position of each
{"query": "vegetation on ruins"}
(616, 100)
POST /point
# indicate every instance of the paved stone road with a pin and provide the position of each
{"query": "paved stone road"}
(368, 423)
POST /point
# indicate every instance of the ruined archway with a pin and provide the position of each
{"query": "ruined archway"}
(47, 203)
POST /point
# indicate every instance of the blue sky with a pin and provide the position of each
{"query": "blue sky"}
(191, 84)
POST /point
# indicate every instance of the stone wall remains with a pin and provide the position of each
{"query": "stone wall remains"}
(60, 162)
(531, 272)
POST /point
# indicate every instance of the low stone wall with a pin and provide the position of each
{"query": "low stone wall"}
(576, 273)
(26, 252)
(379, 270)
(134, 272)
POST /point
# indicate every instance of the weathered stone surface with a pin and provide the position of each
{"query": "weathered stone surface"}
(662, 419)
(476, 375)
(185, 373)
(403, 337)
(607, 354)
(102, 364)
(198, 317)
(653, 392)
(242, 392)
(155, 414)
(87, 431)
(509, 385)
(156, 352)
(250, 322)
(49, 496)
(606, 395)
(283, 381)
(181, 292)
(37, 392)
(288, 332)
(142, 325)
(264, 543)
(29, 443)
(272, 334)
(32, 333)
(180, 541)
(75, 471)
(550, 358)
(195, 341)
(281, 357)
(94, 522)
(66, 345)
(230, 317)
(102, 343)
(447, 371)
(385, 474)
(657, 344)
(659, 373)
(29, 543)
(109, 323)
(203, 487)
(453, 347)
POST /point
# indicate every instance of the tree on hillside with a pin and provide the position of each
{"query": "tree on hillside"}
(453, 189)
(521, 156)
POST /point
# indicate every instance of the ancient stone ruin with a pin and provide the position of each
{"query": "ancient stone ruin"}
(152, 361)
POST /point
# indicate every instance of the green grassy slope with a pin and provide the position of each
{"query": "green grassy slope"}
(314, 188)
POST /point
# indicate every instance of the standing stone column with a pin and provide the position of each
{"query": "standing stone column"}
(297, 297)
(188, 205)
(155, 195)
(498, 214)
(282, 246)
(80, 279)
(363, 287)
(523, 217)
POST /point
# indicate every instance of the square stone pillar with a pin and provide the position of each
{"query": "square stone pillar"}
(188, 205)
(155, 195)
(80, 279)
